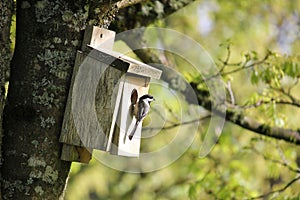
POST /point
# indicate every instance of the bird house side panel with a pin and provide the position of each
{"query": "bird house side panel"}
(68, 133)
(83, 103)
(73, 139)
(93, 102)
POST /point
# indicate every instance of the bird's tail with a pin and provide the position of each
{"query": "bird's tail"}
(133, 130)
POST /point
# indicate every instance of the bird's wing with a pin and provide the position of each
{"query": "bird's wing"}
(143, 111)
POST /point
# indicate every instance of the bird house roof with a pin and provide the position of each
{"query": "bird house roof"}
(122, 62)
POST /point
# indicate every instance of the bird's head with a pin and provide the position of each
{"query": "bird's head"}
(147, 97)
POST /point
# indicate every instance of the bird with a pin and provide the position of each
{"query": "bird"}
(140, 110)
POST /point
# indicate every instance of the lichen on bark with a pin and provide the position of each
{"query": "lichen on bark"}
(40, 74)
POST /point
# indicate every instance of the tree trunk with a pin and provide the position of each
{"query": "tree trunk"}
(48, 35)
(6, 9)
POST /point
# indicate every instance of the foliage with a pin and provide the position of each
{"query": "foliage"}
(263, 84)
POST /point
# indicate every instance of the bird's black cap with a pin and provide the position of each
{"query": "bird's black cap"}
(147, 96)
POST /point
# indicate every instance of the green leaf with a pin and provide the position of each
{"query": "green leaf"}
(254, 77)
(192, 192)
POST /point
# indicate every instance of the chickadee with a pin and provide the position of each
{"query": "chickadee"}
(140, 110)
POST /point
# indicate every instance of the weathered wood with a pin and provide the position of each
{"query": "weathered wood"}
(116, 113)
(121, 145)
(98, 38)
(73, 148)
(68, 122)
(122, 62)
(76, 153)
(96, 103)
(72, 141)
(142, 69)
(88, 115)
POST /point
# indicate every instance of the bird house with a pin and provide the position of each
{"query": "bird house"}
(98, 113)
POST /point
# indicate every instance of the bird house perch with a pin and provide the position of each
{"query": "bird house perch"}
(98, 113)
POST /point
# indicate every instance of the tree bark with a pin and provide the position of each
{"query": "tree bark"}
(6, 10)
(48, 35)
(134, 17)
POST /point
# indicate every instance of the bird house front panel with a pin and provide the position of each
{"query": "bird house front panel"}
(122, 144)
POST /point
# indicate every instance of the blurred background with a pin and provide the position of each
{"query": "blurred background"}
(242, 164)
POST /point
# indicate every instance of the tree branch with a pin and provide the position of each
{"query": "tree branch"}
(279, 190)
(174, 125)
(279, 162)
(244, 66)
(237, 117)
(134, 17)
(260, 103)
(126, 3)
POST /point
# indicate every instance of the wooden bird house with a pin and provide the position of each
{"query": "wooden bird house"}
(98, 112)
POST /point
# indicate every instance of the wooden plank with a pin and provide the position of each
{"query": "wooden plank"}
(93, 105)
(112, 59)
(91, 97)
(71, 142)
(123, 62)
(73, 148)
(122, 145)
(115, 115)
(142, 69)
(68, 126)
(98, 38)
(76, 153)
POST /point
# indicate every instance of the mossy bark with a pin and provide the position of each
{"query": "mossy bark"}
(48, 35)
(6, 10)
